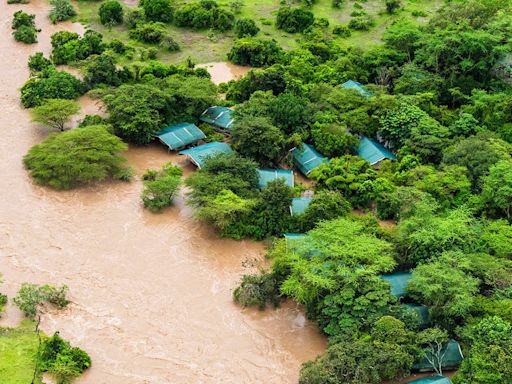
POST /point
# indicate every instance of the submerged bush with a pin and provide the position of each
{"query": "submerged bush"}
(62, 10)
(24, 27)
(246, 28)
(78, 156)
(258, 291)
(160, 187)
(30, 296)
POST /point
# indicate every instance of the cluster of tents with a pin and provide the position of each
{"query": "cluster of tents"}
(305, 158)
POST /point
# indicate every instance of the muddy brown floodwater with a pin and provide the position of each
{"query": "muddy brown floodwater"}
(222, 72)
(151, 294)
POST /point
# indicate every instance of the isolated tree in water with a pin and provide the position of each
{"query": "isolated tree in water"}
(55, 113)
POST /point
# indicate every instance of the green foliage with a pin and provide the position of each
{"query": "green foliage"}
(160, 187)
(384, 356)
(150, 32)
(497, 189)
(361, 23)
(255, 52)
(111, 12)
(246, 28)
(204, 14)
(62, 10)
(24, 27)
(21, 18)
(332, 139)
(294, 20)
(158, 10)
(352, 176)
(392, 5)
(30, 296)
(62, 361)
(325, 205)
(425, 235)
(477, 154)
(50, 84)
(258, 291)
(101, 69)
(445, 288)
(55, 113)
(78, 156)
(257, 139)
(403, 202)
(37, 63)
(489, 359)
(69, 47)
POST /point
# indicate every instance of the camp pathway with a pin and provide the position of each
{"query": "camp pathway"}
(151, 294)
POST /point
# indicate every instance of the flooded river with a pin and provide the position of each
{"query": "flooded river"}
(151, 294)
(222, 72)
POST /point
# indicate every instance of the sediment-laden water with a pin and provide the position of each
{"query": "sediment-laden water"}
(151, 294)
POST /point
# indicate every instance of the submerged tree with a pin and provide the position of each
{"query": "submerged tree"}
(76, 157)
(55, 113)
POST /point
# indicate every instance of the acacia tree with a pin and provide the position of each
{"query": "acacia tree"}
(55, 113)
(78, 156)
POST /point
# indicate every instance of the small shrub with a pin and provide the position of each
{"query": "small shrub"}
(89, 120)
(18, 1)
(3, 302)
(151, 32)
(134, 17)
(111, 12)
(158, 10)
(357, 13)
(361, 23)
(64, 362)
(30, 296)
(392, 6)
(169, 43)
(236, 6)
(25, 34)
(258, 291)
(117, 46)
(37, 63)
(417, 13)
(294, 20)
(255, 52)
(204, 14)
(21, 18)
(337, 3)
(342, 31)
(265, 21)
(246, 28)
(62, 10)
(160, 187)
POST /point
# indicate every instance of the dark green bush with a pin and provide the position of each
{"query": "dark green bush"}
(160, 187)
(204, 14)
(158, 10)
(111, 12)
(258, 291)
(255, 52)
(37, 63)
(50, 84)
(294, 20)
(361, 23)
(151, 32)
(246, 28)
(21, 18)
(69, 47)
(342, 31)
(25, 34)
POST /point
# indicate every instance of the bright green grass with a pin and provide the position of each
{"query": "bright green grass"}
(206, 46)
(18, 348)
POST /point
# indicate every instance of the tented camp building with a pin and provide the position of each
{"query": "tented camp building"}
(180, 135)
(373, 151)
(221, 117)
(307, 158)
(199, 154)
(265, 176)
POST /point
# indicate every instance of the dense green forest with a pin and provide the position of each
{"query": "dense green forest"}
(396, 259)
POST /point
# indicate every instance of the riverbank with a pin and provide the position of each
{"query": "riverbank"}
(151, 294)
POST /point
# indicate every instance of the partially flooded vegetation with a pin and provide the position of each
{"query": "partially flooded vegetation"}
(169, 216)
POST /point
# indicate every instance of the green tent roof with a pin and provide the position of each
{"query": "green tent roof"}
(422, 311)
(351, 84)
(268, 175)
(180, 135)
(452, 357)
(398, 282)
(372, 151)
(219, 116)
(299, 205)
(307, 158)
(437, 379)
(200, 153)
